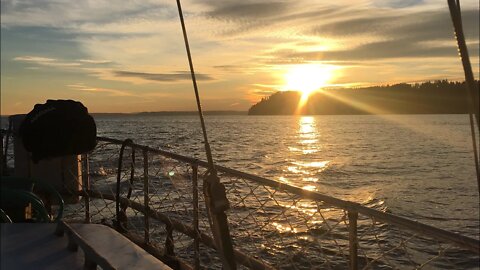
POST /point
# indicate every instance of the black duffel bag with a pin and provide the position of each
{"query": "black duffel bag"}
(58, 128)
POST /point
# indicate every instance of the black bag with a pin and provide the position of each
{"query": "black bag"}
(58, 128)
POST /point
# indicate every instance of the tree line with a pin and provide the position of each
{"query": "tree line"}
(437, 97)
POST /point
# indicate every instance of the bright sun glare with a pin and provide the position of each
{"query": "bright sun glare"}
(308, 78)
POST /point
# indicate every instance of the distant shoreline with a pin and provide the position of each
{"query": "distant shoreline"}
(163, 113)
(188, 113)
(168, 113)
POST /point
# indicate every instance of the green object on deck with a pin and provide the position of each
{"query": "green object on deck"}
(16, 200)
(17, 193)
(4, 218)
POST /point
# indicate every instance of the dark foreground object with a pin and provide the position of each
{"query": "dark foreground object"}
(58, 128)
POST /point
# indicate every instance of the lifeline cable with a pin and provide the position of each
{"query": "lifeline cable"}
(472, 87)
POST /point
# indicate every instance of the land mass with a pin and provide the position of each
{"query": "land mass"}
(169, 113)
(438, 97)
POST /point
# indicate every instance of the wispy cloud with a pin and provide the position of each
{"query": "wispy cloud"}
(414, 35)
(378, 51)
(248, 10)
(97, 62)
(43, 61)
(110, 92)
(53, 62)
(239, 47)
(35, 59)
(397, 3)
(162, 77)
(73, 13)
(412, 26)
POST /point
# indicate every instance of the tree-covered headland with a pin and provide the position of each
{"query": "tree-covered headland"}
(438, 97)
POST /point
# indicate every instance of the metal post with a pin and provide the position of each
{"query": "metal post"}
(86, 188)
(169, 244)
(196, 242)
(5, 149)
(146, 199)
(352, 239)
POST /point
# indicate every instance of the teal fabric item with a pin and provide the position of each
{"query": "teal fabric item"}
(17, 193)
(4, 218)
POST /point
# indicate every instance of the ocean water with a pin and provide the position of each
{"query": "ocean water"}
(416, 166)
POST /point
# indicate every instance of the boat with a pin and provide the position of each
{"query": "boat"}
(274, 225)
(127, 195)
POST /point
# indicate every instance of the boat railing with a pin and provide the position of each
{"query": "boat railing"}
(273, 224)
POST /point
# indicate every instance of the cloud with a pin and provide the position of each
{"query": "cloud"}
(110, 92)
(415, 35)
(237, 45)
(162, 77)
(96, 62)
(58, 63)
(397, 3)
(377, 51)
(249, 10)
(65, 14)
(44, 61)
(35, 59)
(251, 16)
(417, 26)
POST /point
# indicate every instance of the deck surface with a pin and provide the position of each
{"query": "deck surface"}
(34, 246)
(119, 251)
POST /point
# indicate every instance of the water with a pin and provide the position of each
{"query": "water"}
(417, 166)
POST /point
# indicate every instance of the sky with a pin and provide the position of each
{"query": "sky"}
(129, 56)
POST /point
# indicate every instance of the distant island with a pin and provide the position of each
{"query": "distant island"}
(170, 113)
(437, 97)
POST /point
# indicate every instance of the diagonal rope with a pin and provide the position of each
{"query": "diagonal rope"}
(195, 88)
(214, 191)
(472, 87)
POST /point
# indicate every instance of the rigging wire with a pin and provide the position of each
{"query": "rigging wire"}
(472, 86)
(215, 195)
(195, 88)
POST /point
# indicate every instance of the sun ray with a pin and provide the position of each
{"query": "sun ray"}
(307, 78)
(429, 132)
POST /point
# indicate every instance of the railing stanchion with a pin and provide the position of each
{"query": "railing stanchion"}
(86, 187)
(169, 244)
(146, 198)
(352, 239)
(196, 241)
(3, 159)
(5, 149)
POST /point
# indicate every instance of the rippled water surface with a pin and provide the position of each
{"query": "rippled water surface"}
(416, 166)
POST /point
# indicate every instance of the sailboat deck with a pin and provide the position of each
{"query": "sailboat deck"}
(35, 246)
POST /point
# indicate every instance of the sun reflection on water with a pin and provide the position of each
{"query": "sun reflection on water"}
(306, 149)
(310, 187)
(307, 127)
(314, 164)
(304, 170)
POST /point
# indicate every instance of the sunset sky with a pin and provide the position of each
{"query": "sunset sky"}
(129, 56)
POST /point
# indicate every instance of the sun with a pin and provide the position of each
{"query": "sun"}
(307, 78)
